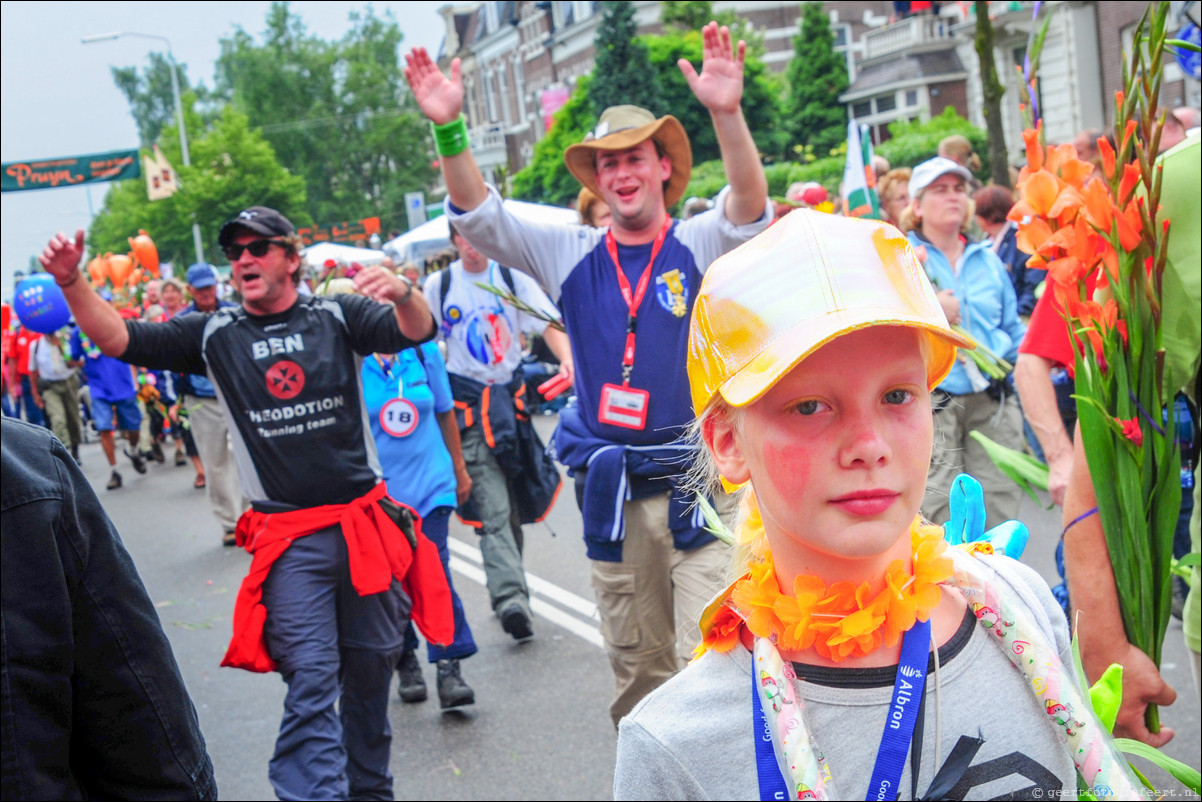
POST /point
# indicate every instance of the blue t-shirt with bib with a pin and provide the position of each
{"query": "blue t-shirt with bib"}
(403, 400)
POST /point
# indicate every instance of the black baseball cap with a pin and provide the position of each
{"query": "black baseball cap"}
(257, 220)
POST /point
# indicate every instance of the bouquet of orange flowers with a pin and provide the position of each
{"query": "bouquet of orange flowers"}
(1085, 228)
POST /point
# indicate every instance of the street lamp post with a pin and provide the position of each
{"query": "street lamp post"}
(179, 110)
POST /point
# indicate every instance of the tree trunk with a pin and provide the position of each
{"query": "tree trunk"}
(992, 89)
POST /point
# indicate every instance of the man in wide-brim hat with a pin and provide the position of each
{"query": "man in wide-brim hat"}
(625, 293)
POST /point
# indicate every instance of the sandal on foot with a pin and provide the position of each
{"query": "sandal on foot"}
(199, 484)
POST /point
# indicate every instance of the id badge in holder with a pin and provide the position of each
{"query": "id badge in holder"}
(623, 406)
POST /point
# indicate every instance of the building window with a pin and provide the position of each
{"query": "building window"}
(886, 103)
(911, 97)
(490, 97)
(861, 109)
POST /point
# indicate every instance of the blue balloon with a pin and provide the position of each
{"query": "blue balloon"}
(40, 305)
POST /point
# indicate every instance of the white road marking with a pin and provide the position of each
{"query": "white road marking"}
(467, 561)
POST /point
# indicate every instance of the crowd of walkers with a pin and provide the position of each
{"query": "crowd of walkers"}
(336, 426)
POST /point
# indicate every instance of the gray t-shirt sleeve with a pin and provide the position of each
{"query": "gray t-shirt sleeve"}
(546, 251)
(646, 769)
(711, 234)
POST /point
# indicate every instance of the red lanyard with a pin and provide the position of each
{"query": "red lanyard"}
(633, 301)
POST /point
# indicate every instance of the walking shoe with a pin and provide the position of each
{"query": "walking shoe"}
(452, 690)
(156, 452)
(516, 622)
(180, 459)
(411, 683)
(139, 463)
(114, 481)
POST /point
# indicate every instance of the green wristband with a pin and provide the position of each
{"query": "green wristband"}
(451, 139)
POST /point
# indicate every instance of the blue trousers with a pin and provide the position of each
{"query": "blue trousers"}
(32, 413)
(336, 651)
(435, 527)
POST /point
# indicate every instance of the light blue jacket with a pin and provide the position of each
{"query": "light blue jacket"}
(988, 308)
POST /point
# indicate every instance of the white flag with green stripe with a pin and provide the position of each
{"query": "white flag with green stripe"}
(859, 179)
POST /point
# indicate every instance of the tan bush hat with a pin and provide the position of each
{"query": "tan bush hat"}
(623, 127)
(811, 277)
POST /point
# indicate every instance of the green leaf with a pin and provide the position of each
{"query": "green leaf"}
(1106, 695)
(1024, 470)
(1186, 775)
(713, 521)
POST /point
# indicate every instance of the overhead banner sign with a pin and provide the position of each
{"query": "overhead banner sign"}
(115, 165)
(349, 231)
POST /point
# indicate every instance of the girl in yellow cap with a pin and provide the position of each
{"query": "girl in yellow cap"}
(812, 352)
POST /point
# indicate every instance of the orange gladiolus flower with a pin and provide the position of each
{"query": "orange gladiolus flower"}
(1131, 176)
(1038, 194)
(1067, 271)
(1099, 206)
(1107, 152)
(1062, 160)
(1129, 131)
(1131, 227)
(1034, 150)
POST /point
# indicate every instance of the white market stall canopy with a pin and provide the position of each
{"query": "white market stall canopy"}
(317, 254)
(433, 236)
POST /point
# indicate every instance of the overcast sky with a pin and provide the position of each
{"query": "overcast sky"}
(57, 96)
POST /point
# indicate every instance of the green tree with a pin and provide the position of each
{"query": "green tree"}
(912, 143)
(337, 113)
(760, 94)
(546, 178)
(817, 75)
(622, 58)
(233, 167)
(151, 101)
(693, 15)
(999, 164)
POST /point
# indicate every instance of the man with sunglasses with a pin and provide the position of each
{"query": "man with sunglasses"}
(321, 603)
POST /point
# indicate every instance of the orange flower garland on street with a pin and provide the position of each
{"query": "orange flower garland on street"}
(841, 620)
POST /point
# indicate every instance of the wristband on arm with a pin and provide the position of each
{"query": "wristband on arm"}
(451, 139)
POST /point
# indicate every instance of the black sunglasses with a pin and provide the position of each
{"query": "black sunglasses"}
(257, 248)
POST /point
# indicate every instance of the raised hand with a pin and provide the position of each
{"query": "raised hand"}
(719, 87)
(62, 256)
(440, 98)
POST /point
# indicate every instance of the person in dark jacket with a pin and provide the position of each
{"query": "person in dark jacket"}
(94, 704)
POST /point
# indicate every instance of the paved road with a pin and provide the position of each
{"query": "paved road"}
(540, 728)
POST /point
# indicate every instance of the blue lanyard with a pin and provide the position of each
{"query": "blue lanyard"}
(895, 741)
(903, 712)
(772, 782)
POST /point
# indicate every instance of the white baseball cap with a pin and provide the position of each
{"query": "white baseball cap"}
(925, 173)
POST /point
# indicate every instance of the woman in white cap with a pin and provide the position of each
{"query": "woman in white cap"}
(811, 352)
(976, 293)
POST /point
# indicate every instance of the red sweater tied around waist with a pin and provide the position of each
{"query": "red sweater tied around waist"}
(377, 551)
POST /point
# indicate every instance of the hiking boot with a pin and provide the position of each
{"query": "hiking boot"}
(411, 683)
(139, 463)
(516, 622)
(114, 481)
(156, 453)
(452, 690)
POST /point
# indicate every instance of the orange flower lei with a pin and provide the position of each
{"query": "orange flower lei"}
(842, 620)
